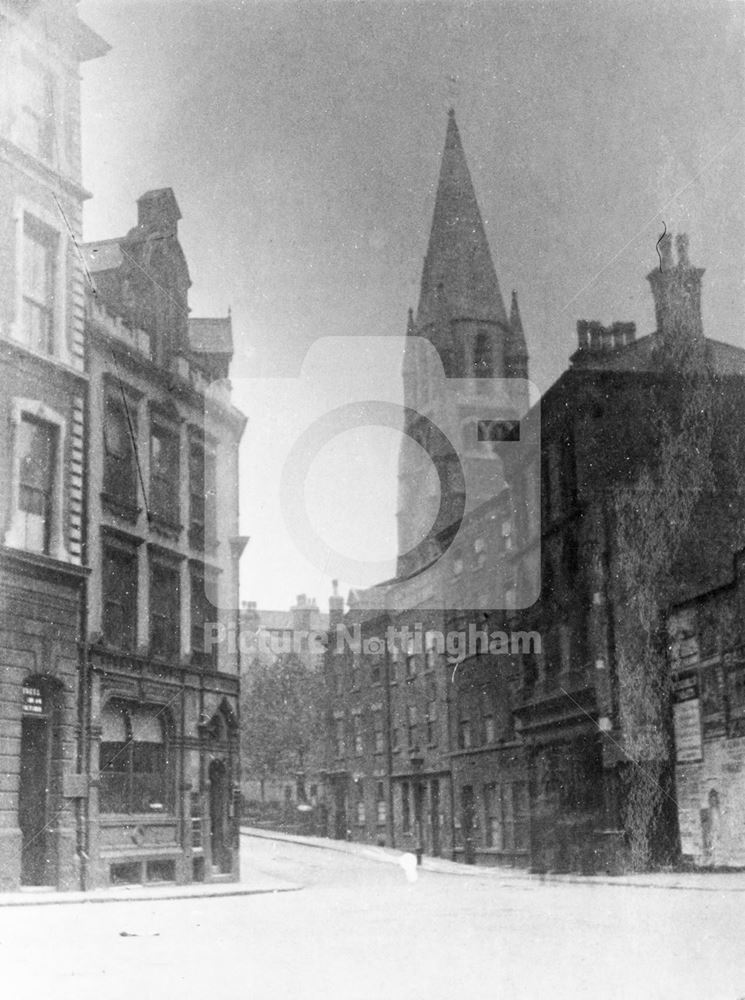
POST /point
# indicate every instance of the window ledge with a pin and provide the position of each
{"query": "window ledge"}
(130, 512)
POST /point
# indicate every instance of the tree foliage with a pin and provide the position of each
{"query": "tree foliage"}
(281, 716)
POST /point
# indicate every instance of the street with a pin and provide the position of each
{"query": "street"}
(359, 929)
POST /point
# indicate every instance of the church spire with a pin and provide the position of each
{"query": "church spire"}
(458, 256)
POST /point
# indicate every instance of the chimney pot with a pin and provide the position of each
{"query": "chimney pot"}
(681, 244)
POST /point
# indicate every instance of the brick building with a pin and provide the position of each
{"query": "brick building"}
(520, 753)
(163, 547)
(42, 443)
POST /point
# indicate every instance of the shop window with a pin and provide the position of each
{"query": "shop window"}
(165, 611)
(120, 470)
(37, 454)
(119, 597)
(164, 474)
(134, 760)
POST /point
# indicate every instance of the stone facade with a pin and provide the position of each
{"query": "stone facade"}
(42, 444)
(163, 550)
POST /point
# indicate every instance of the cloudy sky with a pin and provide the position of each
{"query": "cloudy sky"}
(303, 141)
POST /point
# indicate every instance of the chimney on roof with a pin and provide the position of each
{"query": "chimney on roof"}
(594, 337)
(158, 211)
(336, 606)
(677, 291)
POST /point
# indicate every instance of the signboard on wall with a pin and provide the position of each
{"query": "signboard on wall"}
(33, 703)
(687, 719)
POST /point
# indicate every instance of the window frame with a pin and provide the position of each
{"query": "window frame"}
(128, 552)
(158, 564)
(128, 756)
(44, 220)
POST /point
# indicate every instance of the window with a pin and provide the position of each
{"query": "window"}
(36, 118)
(203, 612)
(405, 807)
(357, 731)
(487, 707)
(37, 446)
(134, 761)
(395, 738)
(360, 802)
(378, 728)
(464, 734)
(433, 643)
(120, 472)
(119, 598)
(479, 548)
(411, 657)
(38, 285)
(432, 723)
(165, 611)
(164, 474)
(482, 358)
(492, 816)
(375, 673)
(355, 674)
(412, 724)
(339, 736)
(380, 804)
(202, 491)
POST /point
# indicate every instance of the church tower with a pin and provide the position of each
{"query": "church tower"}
(459, 342)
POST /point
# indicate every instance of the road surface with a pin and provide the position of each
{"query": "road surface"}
(359, 929)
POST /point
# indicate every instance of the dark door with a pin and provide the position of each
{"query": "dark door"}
(340, 811)
(467, 816)
(419, 815)
(32, 800)
(219, 817)
(434, 816)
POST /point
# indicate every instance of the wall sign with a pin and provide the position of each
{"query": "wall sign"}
(33, 703)
(687, 719)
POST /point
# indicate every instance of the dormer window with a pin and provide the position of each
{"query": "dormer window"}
(482, 356)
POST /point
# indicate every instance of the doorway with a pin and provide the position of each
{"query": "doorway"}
(33, 799)
(434, 816)
(467, 818)
(340, 811)
(219, 826)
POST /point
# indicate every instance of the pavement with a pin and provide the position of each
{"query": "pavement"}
(252, 883)
(697, 881)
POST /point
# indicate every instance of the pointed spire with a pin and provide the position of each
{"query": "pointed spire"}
(458, 255)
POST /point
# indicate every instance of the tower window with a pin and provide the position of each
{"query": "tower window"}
(482, 356)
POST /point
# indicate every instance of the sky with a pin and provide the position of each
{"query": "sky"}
(303, 140)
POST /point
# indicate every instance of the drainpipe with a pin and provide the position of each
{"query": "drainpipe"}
(84, 687)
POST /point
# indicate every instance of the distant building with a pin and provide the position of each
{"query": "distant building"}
(266, 635)
(163, 550)
(43, 444)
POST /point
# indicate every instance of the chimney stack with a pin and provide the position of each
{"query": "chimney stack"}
(336, 606)
(677, 291)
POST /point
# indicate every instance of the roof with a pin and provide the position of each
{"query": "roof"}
(458, 255)
(211, 335)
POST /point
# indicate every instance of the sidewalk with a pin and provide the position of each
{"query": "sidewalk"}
(252, 883)
(696, 881)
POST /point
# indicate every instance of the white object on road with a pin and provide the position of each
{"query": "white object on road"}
(408, 863)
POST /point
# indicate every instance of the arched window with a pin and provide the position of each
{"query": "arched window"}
(134, 762)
